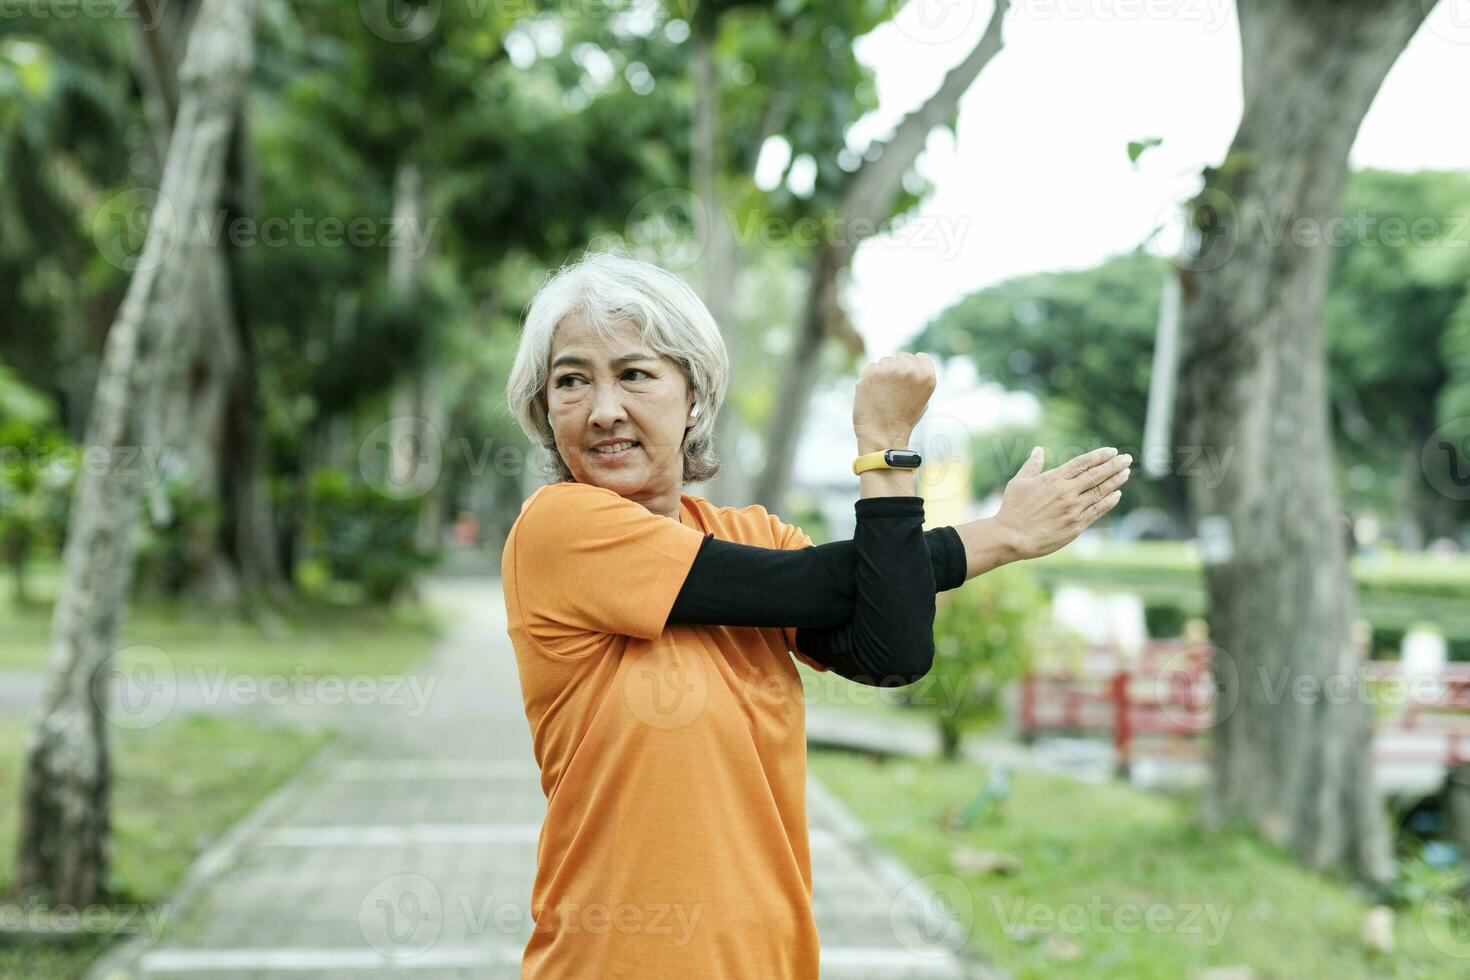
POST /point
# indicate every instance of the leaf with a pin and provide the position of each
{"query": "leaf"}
(1137, 147)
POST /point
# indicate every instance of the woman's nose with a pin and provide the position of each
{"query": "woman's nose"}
(607, 406)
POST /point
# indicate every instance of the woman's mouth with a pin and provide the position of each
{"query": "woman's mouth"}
(614, 452)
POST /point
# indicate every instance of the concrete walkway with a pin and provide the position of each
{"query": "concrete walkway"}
(409, 849)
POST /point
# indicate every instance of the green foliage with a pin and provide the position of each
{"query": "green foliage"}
(64, 116)
(35, 494)
(983, 635)
(1397, 358)
(1398, 334)
(364, 537)
(1081, 342)
(175, 553)
(1164, 621)
(1136, 148)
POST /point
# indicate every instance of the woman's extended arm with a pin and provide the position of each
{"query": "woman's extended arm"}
(814, 588)
(733, 584)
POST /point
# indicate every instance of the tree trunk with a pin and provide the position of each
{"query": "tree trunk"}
(719, 265)
(803, 366)
(429, 533)
(194, 411)
(950, 738)
(1253, 379)
(64, 847)
(251, 536)
(256, 538)
(1457, 805)
(412, 401)
(867, 202)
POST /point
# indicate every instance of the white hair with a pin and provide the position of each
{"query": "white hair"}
(670, 318)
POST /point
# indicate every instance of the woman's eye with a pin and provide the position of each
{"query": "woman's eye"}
(565, 379)
(636, 371)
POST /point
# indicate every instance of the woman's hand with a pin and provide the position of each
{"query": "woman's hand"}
(892, 393)
(1044, 511)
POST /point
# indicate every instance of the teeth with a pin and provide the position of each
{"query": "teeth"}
(615, 447)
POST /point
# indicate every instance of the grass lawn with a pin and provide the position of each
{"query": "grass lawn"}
(1115, 882)
(320, 638)
(177, 786)
(182, 782)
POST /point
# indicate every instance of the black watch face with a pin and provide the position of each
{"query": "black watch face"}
(902, 458)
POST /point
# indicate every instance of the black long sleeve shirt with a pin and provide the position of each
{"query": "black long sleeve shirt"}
(862, 608)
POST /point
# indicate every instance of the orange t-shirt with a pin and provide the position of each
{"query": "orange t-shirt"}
(673, 758)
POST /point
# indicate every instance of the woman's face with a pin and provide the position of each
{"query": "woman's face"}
(600, 392)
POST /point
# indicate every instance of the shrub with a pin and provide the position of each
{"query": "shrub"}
(984, 635)
(1164, 622)
(34, 498)
(175, 553)
(364, 537)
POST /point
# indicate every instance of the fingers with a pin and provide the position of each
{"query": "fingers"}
(1104, 471)
(1100, 507)
(1106, 487)
(920, 366)
(1034, 464)
(1076, 467)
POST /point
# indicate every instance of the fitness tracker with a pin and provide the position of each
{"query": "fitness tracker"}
(887, 459)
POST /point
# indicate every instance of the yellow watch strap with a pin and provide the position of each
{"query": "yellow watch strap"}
(870, 461)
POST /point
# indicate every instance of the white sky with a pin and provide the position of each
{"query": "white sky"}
(1039, 177)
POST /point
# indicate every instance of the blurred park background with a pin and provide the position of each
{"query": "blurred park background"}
(262, 266)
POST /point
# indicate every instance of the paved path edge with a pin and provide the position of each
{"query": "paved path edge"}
(120, 962)
(890, 870)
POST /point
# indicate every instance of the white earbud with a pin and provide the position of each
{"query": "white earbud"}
(694, 412)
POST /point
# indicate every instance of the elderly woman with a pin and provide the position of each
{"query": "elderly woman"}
(654, 631)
